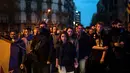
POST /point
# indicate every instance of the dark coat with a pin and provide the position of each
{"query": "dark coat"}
(17, 51)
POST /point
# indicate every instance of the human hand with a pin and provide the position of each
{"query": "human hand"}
(57, 65)
(122, 43)
(11, 71)
(76, 64)
(86, 57)
(101, 61)
(116, 44)
(105, 48)
(21, 66)
(48, 62)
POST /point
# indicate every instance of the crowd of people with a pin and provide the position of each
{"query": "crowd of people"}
(71, 50)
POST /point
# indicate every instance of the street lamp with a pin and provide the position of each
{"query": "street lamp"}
(44, 19)
(74, 22)
(49, 10)
(76, 11)
(48, 20)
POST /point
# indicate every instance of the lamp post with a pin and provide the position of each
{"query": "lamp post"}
(74, 23)
(49, 16)
(49, 10)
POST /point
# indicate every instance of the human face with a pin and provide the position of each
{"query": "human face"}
(80, 29)
(90, 31)
(54, 29)
(93, 27)
(26, 33)
(63, 38)
(12, 35)
(35, 31)
(42, 26)
(99, 27)
(70, 32)
(51, 30)
(119, 25)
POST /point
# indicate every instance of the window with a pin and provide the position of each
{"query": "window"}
(22, 5)
(17, 17)
(54, 18)
(23, 17)
(62, 1)
(5, 19)
(54, 7)
(55, 1)
(62, 8)
(44, 16)
(65, 10)
(44, 6)
(33, 17)
(33, 5)
(44, 0)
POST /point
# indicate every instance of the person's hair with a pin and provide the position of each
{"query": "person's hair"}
(73, 35)
(67, 38)
(13, 31)
(28, 29)
(80, 25)
(53, 27)
(43, 23)
(116, 21)
(69, 28)
(100, 23)
(36, 27)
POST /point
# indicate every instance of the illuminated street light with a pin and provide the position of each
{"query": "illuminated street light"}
(44, 19)
(49, 10)
(77, 11)
(74, 22)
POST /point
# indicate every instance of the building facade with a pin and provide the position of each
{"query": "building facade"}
(109, 10)
(19, 14)
(77, 17)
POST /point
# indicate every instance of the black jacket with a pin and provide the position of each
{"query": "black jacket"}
(44, 51)
(84, 46)
(66, 53)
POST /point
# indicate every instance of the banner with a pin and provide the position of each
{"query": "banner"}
(128, 7)
(4, 55)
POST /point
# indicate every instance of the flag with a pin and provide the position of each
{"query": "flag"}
(4, 55)
(128, 7)
(1, 70)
